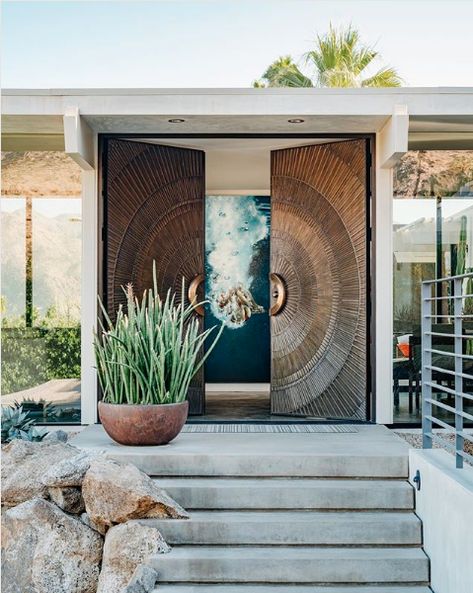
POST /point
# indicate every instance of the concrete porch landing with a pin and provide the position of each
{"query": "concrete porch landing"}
(287, 512)
(372, 452)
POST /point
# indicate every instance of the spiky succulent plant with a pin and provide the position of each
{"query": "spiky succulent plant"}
(17, 424)
(150, 353)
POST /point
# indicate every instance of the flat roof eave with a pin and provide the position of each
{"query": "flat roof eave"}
(434, 90)
(245, 110)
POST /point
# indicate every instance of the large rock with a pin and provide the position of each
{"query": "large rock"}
(25, 463)
(117, 492)
(68, 499)
(86, 520)
(143, 580)
(46, 551)
(126, 547)
(69, 472)
(57, 435)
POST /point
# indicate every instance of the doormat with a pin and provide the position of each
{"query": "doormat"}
(271, 428)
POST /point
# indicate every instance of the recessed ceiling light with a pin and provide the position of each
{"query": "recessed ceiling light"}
(296, 121)
(176, 121)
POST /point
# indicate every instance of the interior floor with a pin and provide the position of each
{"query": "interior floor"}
(247, 406)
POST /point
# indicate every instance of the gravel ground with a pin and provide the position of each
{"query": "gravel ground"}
(414, 438)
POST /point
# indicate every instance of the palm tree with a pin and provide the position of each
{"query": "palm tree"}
(339, 59)
(283, 72)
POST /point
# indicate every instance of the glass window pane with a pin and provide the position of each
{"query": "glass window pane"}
(13, 258)
(432, 238)
(41, 259)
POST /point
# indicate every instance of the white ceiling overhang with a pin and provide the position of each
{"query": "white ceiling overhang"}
(436, 115)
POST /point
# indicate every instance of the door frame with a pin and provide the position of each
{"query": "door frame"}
(370, 304)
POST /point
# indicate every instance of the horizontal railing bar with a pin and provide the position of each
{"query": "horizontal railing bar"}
(452, 316)
(466, 435)
(446, 353)
(449, 390)
(435, 402)
(466, 456)
(447, 297)
(457, 322)
(445, 425)
(449, 278)
(450, 428)
(450, 446)
(443, 441)
(448, 372)
(445, 335)
(436, 385)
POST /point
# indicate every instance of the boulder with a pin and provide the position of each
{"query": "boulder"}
(57, 435)
(46, 551)
(24, 464)
(67, 499)
(69, 472)
(86, 520)
(143, 580)
(126, 547)
(117, 492)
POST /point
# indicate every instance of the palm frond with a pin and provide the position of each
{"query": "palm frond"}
(283, 72)
(386, 77)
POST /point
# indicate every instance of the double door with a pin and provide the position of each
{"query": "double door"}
(154, 211)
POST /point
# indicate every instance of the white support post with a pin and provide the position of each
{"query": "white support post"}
(391, 144)
(78, 139)
(89, 292)
(393, 138)
(79, 144)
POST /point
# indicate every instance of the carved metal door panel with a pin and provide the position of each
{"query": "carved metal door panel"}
(318, 265)
(153, 210)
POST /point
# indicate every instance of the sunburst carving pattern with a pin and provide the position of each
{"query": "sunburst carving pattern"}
(154, 211)
(318, 246)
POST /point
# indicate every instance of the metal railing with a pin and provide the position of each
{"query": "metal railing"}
(447, 348)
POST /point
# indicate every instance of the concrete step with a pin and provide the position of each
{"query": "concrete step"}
(371, 452)
(291, 564)
(240, 464)
(276, 588)
(287, 493)
(292, 528)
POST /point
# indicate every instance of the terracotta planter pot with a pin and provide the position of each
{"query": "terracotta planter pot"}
(130, 424)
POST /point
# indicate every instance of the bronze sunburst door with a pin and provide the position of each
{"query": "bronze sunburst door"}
(318, 265)
(153, 210)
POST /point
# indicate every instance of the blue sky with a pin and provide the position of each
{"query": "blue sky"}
(221, 43)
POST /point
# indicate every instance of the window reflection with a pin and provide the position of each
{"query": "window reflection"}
(432, 238)
(41, 258)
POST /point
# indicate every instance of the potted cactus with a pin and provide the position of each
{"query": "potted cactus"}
(145, 360)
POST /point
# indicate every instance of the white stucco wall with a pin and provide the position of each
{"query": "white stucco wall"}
(445, 506)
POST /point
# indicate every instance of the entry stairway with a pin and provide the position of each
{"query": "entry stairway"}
(336, 520)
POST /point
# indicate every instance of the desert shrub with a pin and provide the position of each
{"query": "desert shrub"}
(23, 359)
(62, 345)
(31, 356)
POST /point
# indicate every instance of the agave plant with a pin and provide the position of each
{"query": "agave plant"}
(17, 424)
(150, 353)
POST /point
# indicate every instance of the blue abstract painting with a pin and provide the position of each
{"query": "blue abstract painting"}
(237, 230)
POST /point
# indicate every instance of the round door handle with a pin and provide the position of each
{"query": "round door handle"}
(192, 293)
(278, 292)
